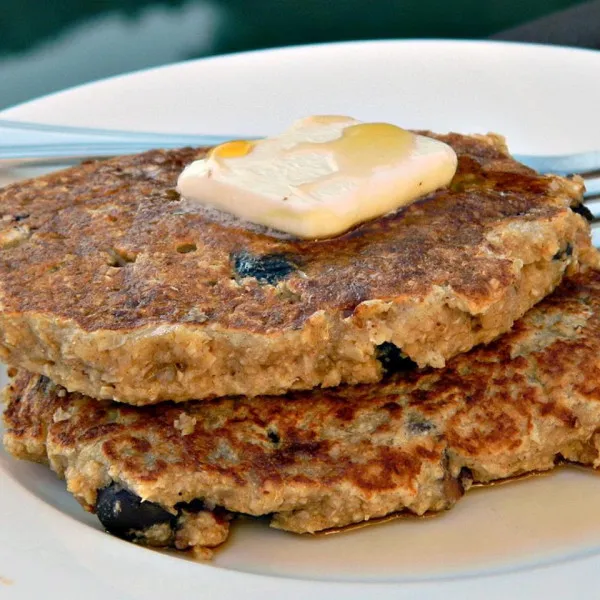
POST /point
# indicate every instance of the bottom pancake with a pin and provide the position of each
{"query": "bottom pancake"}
(175, 475)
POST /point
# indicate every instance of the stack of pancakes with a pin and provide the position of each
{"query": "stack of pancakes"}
(178, 370)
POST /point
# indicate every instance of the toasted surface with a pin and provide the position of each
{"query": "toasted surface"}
(113, 286)
(329, 458)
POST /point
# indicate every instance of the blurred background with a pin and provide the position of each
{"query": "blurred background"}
(47, 46)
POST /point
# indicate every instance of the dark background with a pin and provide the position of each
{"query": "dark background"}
(46, 46)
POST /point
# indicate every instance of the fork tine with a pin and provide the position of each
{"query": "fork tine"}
(592, 188)
(583, 163)
(594, 206)
(592, 200)
(140, 136)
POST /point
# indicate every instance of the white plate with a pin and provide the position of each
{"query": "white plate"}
(534, 538)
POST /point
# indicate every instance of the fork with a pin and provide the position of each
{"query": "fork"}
(104, 143)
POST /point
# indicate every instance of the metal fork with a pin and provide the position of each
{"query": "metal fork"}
(104, 143)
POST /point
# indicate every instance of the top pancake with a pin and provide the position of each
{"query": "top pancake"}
(113, 286)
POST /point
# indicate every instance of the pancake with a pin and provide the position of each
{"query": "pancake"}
(112, 286)
(328, 458)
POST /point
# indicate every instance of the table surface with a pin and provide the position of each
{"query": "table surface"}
(45, 47)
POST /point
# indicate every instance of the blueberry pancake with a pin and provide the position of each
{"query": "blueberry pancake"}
(175, 474)
(112, 286)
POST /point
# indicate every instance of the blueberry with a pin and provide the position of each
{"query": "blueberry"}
(584, 211)
(273, 437)
(392, 359)
(419, 426)
(195, 506)
(123, 513)
(269, 268)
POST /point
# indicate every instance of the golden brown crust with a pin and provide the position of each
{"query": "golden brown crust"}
(111, 287)
(328, 458)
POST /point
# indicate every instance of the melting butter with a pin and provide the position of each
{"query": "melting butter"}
(321, 177)
(361, 149)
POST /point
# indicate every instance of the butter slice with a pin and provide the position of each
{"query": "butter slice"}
(321, 177)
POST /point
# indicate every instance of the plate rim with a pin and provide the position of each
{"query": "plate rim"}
(295, 48)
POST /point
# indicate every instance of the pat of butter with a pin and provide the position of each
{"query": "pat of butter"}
(321, 177)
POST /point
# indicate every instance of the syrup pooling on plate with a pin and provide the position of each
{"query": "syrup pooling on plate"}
(321, 177)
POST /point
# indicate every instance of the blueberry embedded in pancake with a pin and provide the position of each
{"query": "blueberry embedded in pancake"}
(268, 268)
(125, 515)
